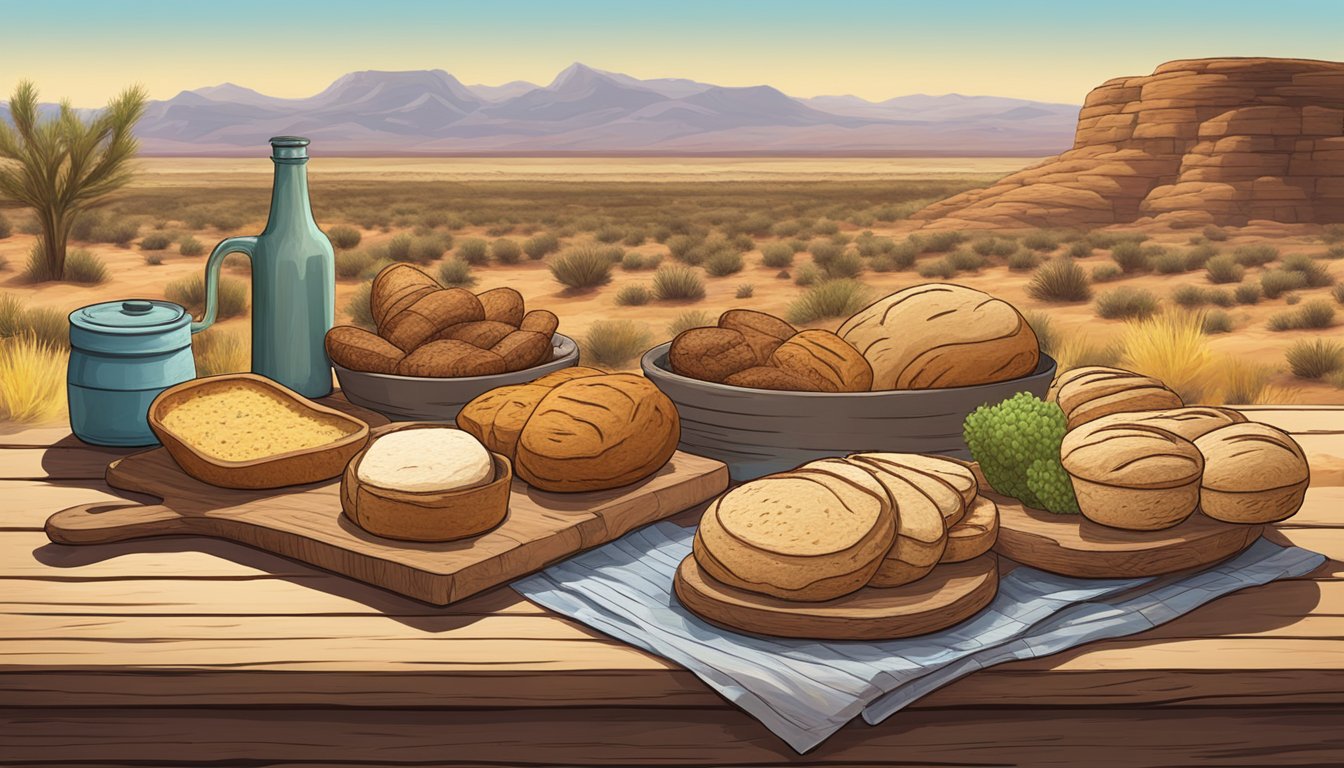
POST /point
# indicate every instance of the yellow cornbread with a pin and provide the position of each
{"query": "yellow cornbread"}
(242, 423)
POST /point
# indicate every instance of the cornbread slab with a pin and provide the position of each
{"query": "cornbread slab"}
(305, 522)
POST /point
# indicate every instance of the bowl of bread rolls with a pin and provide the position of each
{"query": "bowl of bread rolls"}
(434, 349)
(900, 375)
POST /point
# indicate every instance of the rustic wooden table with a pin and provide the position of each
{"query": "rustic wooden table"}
(179, 652)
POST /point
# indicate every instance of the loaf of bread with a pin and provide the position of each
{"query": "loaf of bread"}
(597, 432)
(523, 349)
(420, 460)
(769, 377)
(825, 360)
(429, 315)
(396, 288)
(360, 350)
(497, 417)
(975, 534)
(942, 335)
(921, 533)
(948, 483)
(1253, 474)
(541, 321)
(503, 305)
(798, 536)
(762, 331)
(710, 354)
(1094, 391)
(450, 359)
(1134, 477)
(480, 333)
(1191, 422)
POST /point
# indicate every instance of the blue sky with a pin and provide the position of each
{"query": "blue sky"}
(1052, 51)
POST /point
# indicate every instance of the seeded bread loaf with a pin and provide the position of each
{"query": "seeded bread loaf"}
(497, 417)
(825, 360)
(523, 349)
(1134, 477)
(1253, 474)
(503, 305)
(1094, 391)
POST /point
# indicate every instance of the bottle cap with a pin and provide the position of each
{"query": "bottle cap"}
(289, 149)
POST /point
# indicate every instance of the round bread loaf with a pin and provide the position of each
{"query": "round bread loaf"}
(710, 354)
(921, 534)
(504, 305)
(541, 321)
(523, 349)
(770, 377)
(942, 335)
(420, 460)
(826, 360)
(450, 359)
(1253, 474)
(480, 333)
(950, 472)
(360, 350)
(497, 417)
(763, 332)
(1139, 478)
(809, 537)
(975, 534)
(556, 378)
(598, 432)
(431, 314)
(1191, 422)
(395, 288)
(1090, 392)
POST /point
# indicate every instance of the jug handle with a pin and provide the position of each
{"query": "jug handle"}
(226, 246)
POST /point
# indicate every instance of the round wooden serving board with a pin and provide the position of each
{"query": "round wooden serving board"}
(950, 594)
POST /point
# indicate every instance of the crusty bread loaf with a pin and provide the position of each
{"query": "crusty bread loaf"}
(1134, 477)
(434, 312)
(975, 534)
(523, 349)
(360, 350)
(710, 354)
(556, 378)
(949, 483)
(1253, 474)
(395, 288)
(824, 359)
(808, 536)
(541, 321)
(942, 335)
(1094, 391)
(921, 534)
(480, 333)
(450, 359)
(1191, 422)
(763, 332)
(504, 305)
(770, 377)
(421, 460)
(598, 432)
(497, 417)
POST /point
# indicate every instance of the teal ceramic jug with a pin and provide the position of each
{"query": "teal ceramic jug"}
(293, 280)
(122, 355)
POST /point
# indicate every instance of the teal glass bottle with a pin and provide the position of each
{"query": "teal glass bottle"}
(293, 280)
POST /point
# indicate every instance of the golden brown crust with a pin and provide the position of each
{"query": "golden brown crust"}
(710, 354)
(424, 319)
(1253, 474)
(541, 321)
(478, 333)
(523, 349)
(1135, 477)
(763, 332)
(450, 359)
(1090, 393)
(497, 417)
(395, 288)
(770, 377)
(503, 305)
(361, 350)
(826, 360)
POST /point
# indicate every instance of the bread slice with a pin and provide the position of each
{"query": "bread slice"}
(921, 535)
(975, 534)
(949, 501)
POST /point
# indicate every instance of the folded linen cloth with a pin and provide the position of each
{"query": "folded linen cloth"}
(806, 690)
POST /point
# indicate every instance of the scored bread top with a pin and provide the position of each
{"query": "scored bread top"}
(802, 515)
(949, 471)
(917, 516)
(1190, 422)
(1250, 457)
(1089, 393)
(1130, 456)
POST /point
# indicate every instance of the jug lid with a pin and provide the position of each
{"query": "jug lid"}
(129, 317)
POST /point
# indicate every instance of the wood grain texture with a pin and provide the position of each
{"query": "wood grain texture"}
(951, 593)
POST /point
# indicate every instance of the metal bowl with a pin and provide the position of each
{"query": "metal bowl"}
(760, 431)
(416, 398)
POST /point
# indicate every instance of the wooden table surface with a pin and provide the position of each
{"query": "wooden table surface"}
(185, 651)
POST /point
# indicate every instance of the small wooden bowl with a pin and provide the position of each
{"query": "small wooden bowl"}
(425, 515)
(308, 465)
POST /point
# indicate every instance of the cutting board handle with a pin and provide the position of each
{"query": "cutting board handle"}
(100, 523)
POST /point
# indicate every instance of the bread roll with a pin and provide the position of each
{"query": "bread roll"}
(1134, 477)
(825, 360)
(541, 321)
(480, 333)
(360, 350)
(770, 377)
(710, 354)
(598, 432)
(395, 288)
(1253, 474)
(523, 349)
(942, 335)
(936, 475)
(1090, 392)
(1191, 422)
(807, 537)
(921, 534)
(496, 418)
(975, 534)
(504, 305)
(763, 332)
(431, 459)
(431, 314)
(450, 359)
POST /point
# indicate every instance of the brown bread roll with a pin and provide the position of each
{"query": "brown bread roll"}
(710, 354)
(504, 305)
(763, 332)
(497, 417)
(769, 377)
(942, 335)
(921, 534)
(395, 288)
(598, 432)
(556, 378)
(360, 350)
(1093, 391)
(523, 349)
(1139, 478)
(1253, 474)
(436, 311)
(450, 359)
(541, 321)
(1191, 422)
(975, 534)
(826, 360)
(480, 333)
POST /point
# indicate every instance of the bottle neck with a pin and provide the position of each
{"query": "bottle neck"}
(289, 195)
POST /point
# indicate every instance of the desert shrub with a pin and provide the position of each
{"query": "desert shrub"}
(1247, 293)
(1171, 347)
(45, 325)
(190, 246)
(81, 267)
(942, 269)
(1198, 257)
(1220, 297)
(965, 261)
(786, 228)
(634, 237)
(829, 299)
(826, 227)
(155, 241)
(1105, 273)
(1315, 358)
(1189, 296)
(1044, 328)
(1132, 257)
(1126, 303)
(847, 265)
(682, 247)
(1224, 269)
(676, 283)
(344, 237)
(1216, 234)
(6, 229)
(473, 250)
(1254, 255)
(455, 272)
(1333, 233)
(942, 241)
(351, 264)
(693, 318)
(428, 248)
(723, 263)
(538, 246)
(994, 246)
(218, 351)
(741, 243)
(505, 251)
(1023, 261)
(1317, 313)
(97, 227)
(633, 295)
(1276, 282)
(1292, 299)
(799, 245)
(1333, 252)
(153, 258)
(777, 255)
(660, 233)
(634, 261)
(190, 293)
(1059, 280)
(500, 228)
(823, 252)
(399, 247)
(1108, 240)
(1315, 273)
(608, 233)
(1338, 293)
(806, 275)
(903, 255)
(1282, 321)
(1080, 249)
(1217, 321)
(1041, 240)
(615, 344)
(582, 268)
(744, 291)
(1170, 263)
(872, 247)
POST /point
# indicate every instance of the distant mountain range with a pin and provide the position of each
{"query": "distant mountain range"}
(585, 110)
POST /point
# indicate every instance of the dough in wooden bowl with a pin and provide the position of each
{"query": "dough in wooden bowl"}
(1094, 391)
(1253, 474)
(1140, 478)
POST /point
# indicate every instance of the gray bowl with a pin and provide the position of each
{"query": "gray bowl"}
(414, 398)
(760, 431)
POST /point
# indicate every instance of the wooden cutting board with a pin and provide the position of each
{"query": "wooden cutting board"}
(952, 593)
(306, 523)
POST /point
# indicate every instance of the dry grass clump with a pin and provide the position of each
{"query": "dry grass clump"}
(1224, 269)
(1217, 321)
(829, 299)
(940, 269)
(744, 291)
(1126, 303)
(635, 261)
(633, 295)
(847, 265)
(473, 250)
(1172, 348)
(190, 246)
(1216, 234)
(1060, 280)
(1023, 261)
(1276, 282)
(351, 264)
(693, 318)
(1133, 258)
(994, 246)
(1315, 358)
(155, 241)
(1046, 335)
(777, 255)
(1105, 273)
(1254, 255)
(344, 237)
(723, 263)
(1315, 314)
(1313, 272)
(506, 251)
(359, 309)
(608, 233)
(455, 273)
(190, 293)
(1041, 240)
(32, 380)
(219, 351)
(582, 268)
(614, 344)
(540, 246)
(678, 283)
(1247, 293)
(81, 267)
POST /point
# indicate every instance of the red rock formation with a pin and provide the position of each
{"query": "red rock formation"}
(1202, 141)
